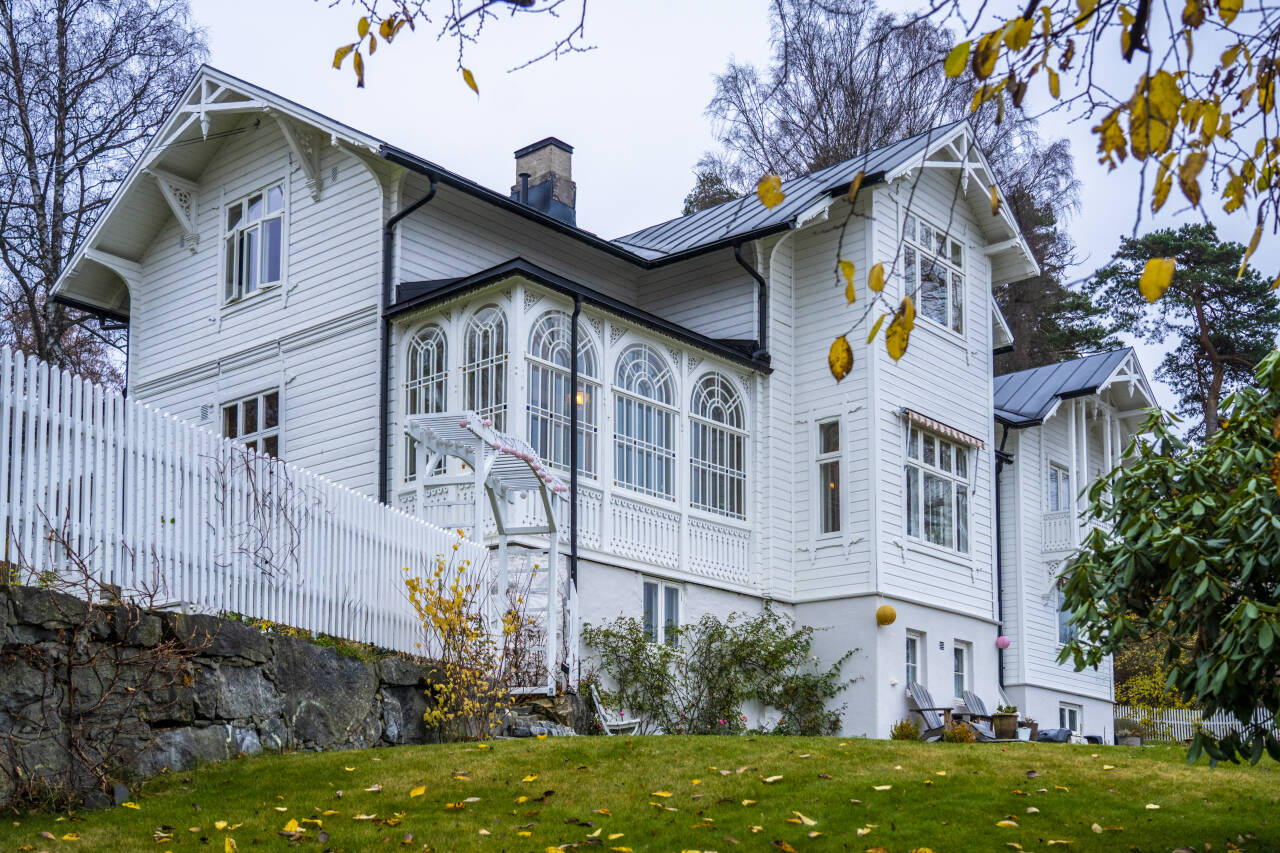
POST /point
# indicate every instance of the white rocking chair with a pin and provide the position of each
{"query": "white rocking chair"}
(610, 720)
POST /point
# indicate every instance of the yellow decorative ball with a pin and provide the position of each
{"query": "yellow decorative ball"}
(885, 615)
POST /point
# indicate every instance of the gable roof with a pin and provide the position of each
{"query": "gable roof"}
(1028, 397)
(176, 155)
(746, 216)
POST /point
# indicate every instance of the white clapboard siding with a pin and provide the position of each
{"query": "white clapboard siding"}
(1181, 723)
(157, 506)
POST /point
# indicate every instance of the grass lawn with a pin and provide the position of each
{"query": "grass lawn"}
(690, 793)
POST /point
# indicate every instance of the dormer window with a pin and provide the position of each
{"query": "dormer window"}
(253, 243)
(933, 264)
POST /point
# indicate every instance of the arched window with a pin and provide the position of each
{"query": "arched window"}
(426, 372)
(548, 403)
(644, 437)
(484, 372)
(718, 448)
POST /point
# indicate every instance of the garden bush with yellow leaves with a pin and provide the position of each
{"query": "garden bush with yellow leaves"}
(480, 651)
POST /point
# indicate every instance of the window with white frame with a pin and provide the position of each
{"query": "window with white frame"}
(829, 516)
(1059, 488)
(426, 383)
(661, 612)
(255, 421)
(962, 655)
(718, 448)
(914, 672)
(644, 441)
(933, 272)
(1067, 629)
(550, 343)
(253, 243)
(484, 370)
(1070, 717)
(938, 489)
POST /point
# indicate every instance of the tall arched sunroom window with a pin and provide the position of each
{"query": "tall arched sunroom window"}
(644, 429)
(549, 398)
(484, 372)
(425, 384)
(718, 448)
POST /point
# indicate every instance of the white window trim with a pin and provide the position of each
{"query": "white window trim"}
(230, 303)
(922, 674)
(675, 452)
(407, 355)
(1079, 712)
(661, 620)
(1066, 469)
(818, 481)
(494, 365)
(921, 540)
(592, 383)
(965, 648)
(911, 287)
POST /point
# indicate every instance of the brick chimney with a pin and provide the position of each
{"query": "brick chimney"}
(544, 179)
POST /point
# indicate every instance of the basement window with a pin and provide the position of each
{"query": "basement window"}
(255, 421)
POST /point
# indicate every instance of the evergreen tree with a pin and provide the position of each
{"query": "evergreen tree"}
(1221, 324)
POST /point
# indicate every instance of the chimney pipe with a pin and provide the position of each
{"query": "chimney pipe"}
(544, 173)
(524, 187)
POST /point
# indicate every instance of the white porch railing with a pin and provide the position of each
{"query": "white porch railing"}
(1058, 533)
(152, 504)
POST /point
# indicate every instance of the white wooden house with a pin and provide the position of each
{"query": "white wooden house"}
(312, 290)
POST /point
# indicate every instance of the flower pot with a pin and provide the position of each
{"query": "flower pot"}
(1005, 726)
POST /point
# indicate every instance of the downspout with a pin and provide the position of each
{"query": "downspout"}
(762, 343)
(1001, 459)
(573, 440)
(384, 343)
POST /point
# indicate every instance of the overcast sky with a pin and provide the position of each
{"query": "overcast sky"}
(632, 107)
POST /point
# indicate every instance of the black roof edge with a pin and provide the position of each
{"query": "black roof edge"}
(1019, 424)
(1079, 392)
(543, 143)
(95, 310)
(448, 288)
(1002, 350)
(867, 181)
(410, 161)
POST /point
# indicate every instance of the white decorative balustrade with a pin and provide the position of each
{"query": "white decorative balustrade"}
(1058, 534)
(645, 532)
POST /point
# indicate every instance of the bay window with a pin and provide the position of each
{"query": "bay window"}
(484, 373)
(644, 441)
(425, 385)
(717, 448)
(549, 397)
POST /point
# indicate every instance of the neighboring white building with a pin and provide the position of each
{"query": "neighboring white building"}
(305, 287)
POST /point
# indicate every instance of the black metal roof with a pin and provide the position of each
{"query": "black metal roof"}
(413, 295)
(746, 216)
(716, 227)
(1025, 398)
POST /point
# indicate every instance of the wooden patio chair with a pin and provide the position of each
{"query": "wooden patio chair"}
(977, 709)
(936, 719)
(610, 720)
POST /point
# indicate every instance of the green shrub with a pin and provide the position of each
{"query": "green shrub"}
(907, 729)
(699, 684)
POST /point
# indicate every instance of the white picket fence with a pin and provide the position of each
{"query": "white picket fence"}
(1181, 724)
(157, 506)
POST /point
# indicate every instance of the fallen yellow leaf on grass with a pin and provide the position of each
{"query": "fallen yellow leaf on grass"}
(815, 834)
(482, 746)
(1061, 788)
(418, 791)
(219, 825)
(660, 794)
(1152, 806)
(364, 817)
(282, 808)
(1007, 824)
(229, 845)
(484, 832)
(1032, 810)
(375, 788)
(71, 836)
(695, 782)
(458, 806)
(595, 834)
(544, 737)
(615, 836)
(604, 812)
(1054, 842)
(1108, 767)
(807, 821)
(328, 812)
(756, 828)
(463, 778)
(940, 773)
(521, 799)
(881, 787)
(131, 805)
(524, 833)
(769, 780)
(1097, 828)
(349, 769)
(864, 830)
(291, 826)
(784, 846)
(748, 802)
(532, 777)
(621, 849)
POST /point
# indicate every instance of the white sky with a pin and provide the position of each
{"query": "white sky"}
(632, 108)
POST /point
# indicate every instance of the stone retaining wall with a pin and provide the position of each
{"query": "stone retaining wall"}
(240, 692)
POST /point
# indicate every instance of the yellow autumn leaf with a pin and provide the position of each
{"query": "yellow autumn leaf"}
(783, 846)
(358, 65)
(898, 335)
(1228, 9)
(621, 849)
(1152, 806)
(839, 362)
(1249, 250)
(995, 200)
(769, 191)
(470, 80)
(875, 278)
(131, 805)
(341, 54)
(524, 833)
(614, 836)
(748, 802)
(418, 791)
(219, 825)
(1155, 280)
(847, 270)
(1054, 842)
(365, 816)
(957, 58)
(1188, 173)
(71, 836)
(1055, 88)
(871, 336)
(362, 27)
(532, 777)
(1017, 33)
(807, 821)
(984, 58)
(881, 787)
(769, 780)
(291, 826)
(660, 794)
(855, 185)
(1007, 824)
(604, 812)
(229, 845)
(850, 295)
